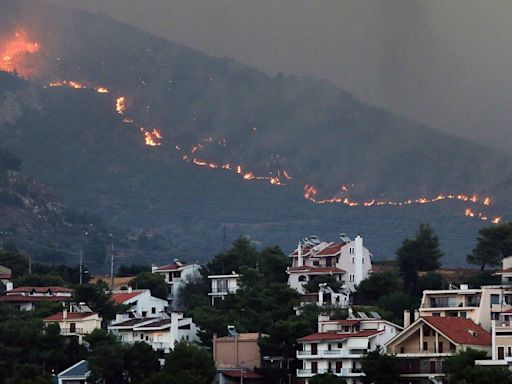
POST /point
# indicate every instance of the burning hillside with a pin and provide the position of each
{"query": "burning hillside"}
(14, 51)
(296, 134)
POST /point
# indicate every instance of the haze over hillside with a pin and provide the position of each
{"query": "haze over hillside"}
(157, 135)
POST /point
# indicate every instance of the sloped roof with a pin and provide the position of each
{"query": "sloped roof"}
(120, 298)
(80, 369)
(331, 250)
(134, 322)
(172, 267)
(320, 270)
(33, 299)
(70, 316)
(319, 336)
(459, 330)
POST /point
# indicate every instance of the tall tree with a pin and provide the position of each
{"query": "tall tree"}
(493, 244)
(423, 253)
(155, 282)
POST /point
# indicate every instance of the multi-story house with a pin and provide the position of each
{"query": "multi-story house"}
(140, 302)
(223, 285)
(161, 332)
(176, 276)
(480, 305)
(339, 346)
(348, 261)
(27, 298)
(75, 321)
(423, 345)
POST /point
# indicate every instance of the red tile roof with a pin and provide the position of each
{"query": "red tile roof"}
(70, 316)
(171, 267)
(235, 374)
(120, 298)
(461, 331)
(331, 250)
(338, 336)
(33, 299)
(133, 322)
(40, 289)
(308, 268)
(508, 270)
(345, 322)
(5, 276)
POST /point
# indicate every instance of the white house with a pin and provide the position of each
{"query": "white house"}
(26, 298)
(140, 301)
(339, 345)
(223, 285)
(348, 261)
(5, 277)
(176, 276)
(162, 332)
(326, 297)
(77, 321)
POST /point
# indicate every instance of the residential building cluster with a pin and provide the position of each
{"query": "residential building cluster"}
(447, 321)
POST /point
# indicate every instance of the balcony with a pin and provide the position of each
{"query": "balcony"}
(333, 354)
(68, 331)
(222, 291)
(344, 372)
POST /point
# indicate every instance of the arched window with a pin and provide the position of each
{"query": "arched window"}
(302, 278)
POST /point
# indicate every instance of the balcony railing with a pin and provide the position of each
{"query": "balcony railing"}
(332, 353)
(223, 290)
(343, 372)
(68, 331)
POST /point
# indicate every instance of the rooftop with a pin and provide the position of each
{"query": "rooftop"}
(319, 336)
(69, 316)
(121, 297)
(461, 331)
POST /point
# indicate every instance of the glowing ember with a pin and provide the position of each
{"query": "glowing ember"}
(102, 90)
(13, 53)
(152, 138)
(121, 105)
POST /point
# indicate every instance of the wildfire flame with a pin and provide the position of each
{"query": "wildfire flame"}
(311, 192)
(121, 105)
(152, 138)
(13, 53)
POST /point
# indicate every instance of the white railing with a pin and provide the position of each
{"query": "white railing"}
(344, 372)
(332, 353)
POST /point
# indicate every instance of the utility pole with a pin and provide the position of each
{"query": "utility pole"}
(223, 238)
(29, 265)
(112, 267)
(81, 266)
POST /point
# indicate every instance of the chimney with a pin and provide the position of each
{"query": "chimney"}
(153, 268)
(300, 261)
(129, 289)
(416, 314)
(65, 314)
(407, 318)
(358, 256)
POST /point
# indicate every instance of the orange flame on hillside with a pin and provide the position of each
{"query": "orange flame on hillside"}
(152, 138)
(121, 105)
(311, 192)
(13, 53)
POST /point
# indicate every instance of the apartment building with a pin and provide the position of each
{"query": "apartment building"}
(348, 261)
(339, 346)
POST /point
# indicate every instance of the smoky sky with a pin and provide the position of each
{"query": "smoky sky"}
(444, 63)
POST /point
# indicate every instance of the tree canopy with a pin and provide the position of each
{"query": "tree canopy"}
(492, 245)
(155, 282)
(380, 368)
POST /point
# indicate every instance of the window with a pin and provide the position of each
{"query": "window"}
(426, 330)
(501, 353)
(141, 336)
(495, 315)
(316, 263)
(314, 367)
(462, 314)
(144, 313)
(436, 314)
(340, 345)
(495, 299)
(353, 259)
(153, 310)
(402, 350)
(425, 346)
(302, 278)
(440, 347)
